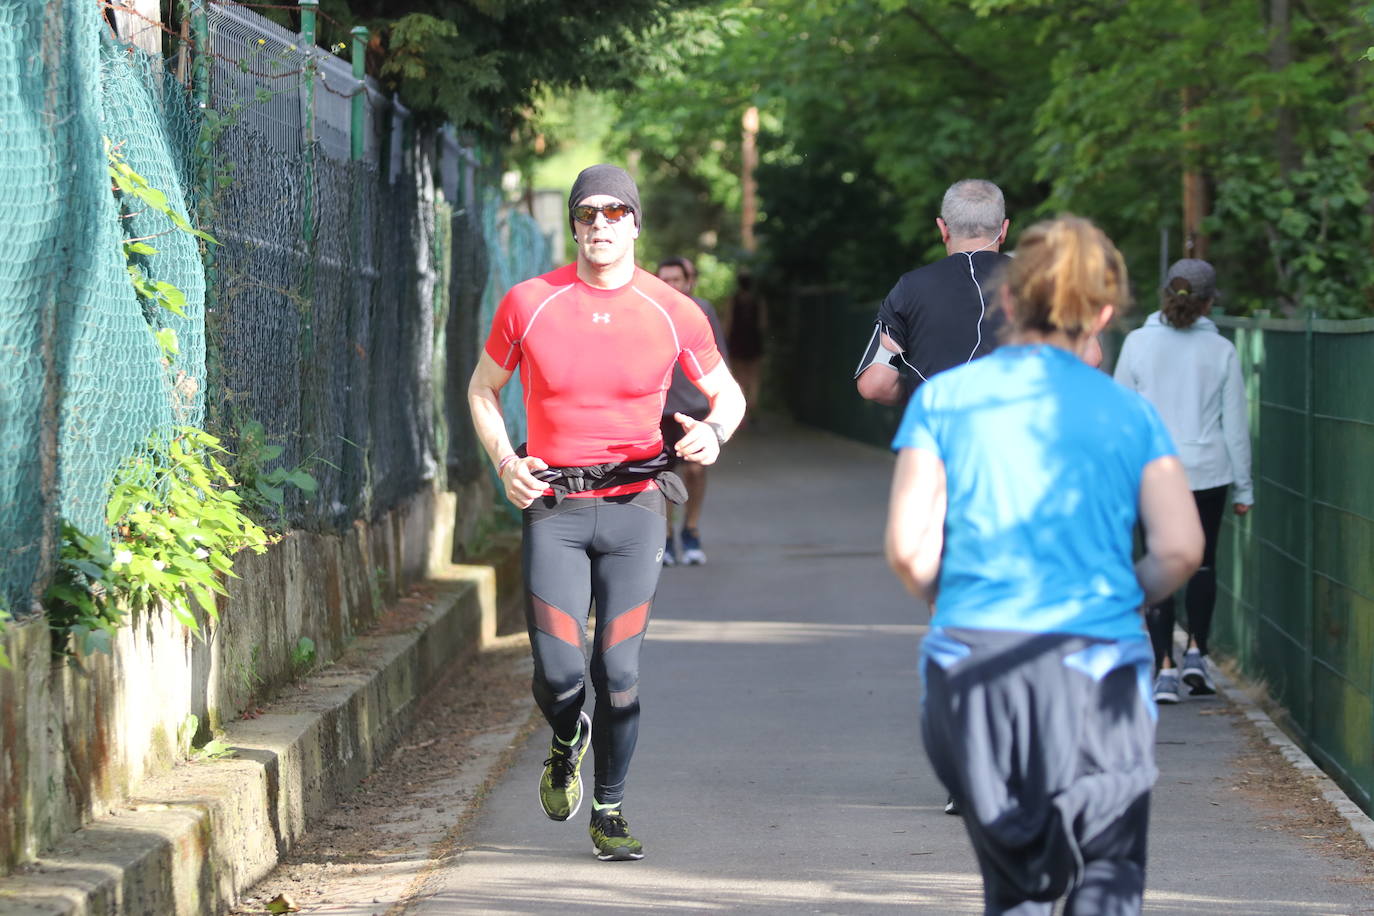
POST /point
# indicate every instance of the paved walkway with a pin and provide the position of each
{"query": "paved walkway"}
(780, 769)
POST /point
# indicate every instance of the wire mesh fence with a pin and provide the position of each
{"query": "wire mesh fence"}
(1296, 581)
(341, 309)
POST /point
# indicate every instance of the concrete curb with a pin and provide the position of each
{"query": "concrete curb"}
(194, 840)
(1242, 697)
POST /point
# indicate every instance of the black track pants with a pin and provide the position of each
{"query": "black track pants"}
(594, 550)
(1201, 595)
(1046, 742)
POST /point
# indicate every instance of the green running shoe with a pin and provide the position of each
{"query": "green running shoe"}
(612, 837)
(560, 785)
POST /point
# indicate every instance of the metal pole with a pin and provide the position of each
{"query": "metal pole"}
(203, 200)
(308, 10)
(306, 343)
(200, 65)
(358, 122)
(1308, 526)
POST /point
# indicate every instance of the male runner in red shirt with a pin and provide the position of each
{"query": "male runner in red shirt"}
(596, 342)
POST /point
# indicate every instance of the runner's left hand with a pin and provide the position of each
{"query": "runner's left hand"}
(698, 443)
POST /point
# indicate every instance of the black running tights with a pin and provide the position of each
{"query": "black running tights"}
(1201, 596)
(606, 551)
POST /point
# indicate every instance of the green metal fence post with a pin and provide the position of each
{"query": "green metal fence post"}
(308, 12)
(1308, 522)
(308, 9)
(358, 121)
(310, 149)
(200, 62)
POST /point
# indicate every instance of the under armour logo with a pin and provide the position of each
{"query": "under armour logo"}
(602, 317)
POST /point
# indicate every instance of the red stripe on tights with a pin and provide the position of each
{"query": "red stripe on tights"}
(557, 623)
(631, 623)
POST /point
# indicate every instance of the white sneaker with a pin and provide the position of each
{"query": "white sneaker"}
(1166, 686)
(1195, 674)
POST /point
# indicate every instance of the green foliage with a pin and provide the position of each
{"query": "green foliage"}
(129, 182)
(1313, 223)
(129, 185)
(214, 749)
(176, 523)
(246, 673)
(481, 64)
(303, 657)
(264, 491)
(871, 108)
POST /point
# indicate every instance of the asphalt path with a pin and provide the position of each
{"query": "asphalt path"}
(779, 766)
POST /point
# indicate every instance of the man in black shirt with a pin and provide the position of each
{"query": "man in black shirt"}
(940, 316)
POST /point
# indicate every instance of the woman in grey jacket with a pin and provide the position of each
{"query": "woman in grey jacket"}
(1191, 374)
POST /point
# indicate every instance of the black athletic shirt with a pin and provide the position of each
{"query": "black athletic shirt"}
(935, 315)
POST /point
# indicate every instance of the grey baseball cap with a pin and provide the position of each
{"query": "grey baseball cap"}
(1201, 277)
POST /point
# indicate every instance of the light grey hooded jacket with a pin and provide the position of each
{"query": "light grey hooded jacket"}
(1192, 377)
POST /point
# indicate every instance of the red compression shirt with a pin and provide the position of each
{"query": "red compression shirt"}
(596, 363)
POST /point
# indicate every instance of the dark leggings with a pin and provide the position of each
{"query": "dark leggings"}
(1201, 596)
(607, 551)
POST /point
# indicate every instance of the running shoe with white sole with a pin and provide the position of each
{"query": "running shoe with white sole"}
(611, 836)
(1195, 674)
(952, 807)
(692, 554)
(1166, 686)
(669, 554)
(560, 785)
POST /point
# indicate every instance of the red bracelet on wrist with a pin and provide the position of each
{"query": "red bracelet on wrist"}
(505, 461)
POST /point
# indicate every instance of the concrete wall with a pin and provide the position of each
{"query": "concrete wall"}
(78, 739)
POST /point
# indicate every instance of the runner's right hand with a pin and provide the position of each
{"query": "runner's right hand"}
(522, 487)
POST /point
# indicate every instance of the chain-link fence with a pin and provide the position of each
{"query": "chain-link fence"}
(342, 308)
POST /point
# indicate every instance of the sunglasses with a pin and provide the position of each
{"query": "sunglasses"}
(614, 213)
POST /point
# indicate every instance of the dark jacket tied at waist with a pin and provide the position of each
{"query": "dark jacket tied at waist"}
(600, 476)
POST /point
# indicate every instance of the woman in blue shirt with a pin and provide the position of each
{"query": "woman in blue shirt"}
(1019, 480)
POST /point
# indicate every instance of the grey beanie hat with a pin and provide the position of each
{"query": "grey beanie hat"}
(605, 179)
(1201, 277)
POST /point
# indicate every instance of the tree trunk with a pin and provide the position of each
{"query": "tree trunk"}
(1280, 56)
(1196, 204)
(749, 209)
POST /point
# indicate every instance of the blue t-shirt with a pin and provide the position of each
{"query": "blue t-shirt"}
(1043, 456)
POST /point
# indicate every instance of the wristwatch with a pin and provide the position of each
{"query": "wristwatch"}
(720, 431)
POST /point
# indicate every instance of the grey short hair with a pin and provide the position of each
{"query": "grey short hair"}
(973, 209)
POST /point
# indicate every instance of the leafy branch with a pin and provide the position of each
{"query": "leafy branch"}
(131, 184)
(176, 522)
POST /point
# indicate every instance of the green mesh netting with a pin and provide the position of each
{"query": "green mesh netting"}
(80, 357)
(325, 313)
(521, 252)
(33, 160)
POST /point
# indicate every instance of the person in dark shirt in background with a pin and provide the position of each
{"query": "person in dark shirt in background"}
(937, 316)
(685, 398)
